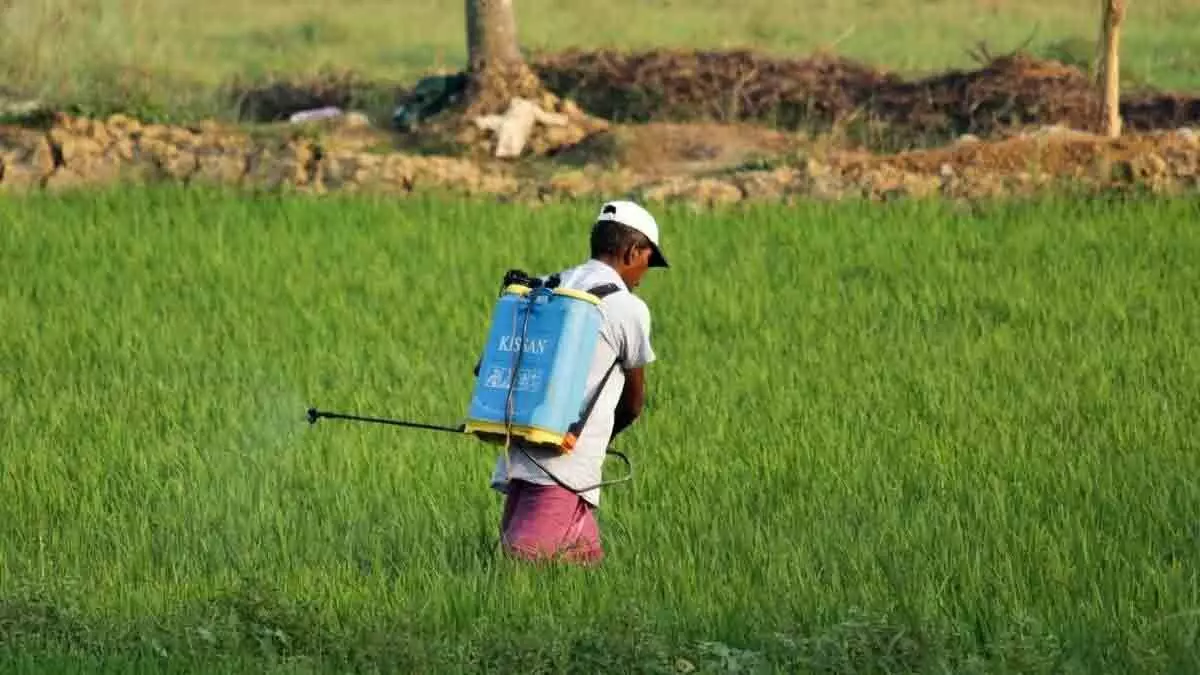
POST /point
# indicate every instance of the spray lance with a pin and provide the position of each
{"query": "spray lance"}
(314, 415)
(559, 331)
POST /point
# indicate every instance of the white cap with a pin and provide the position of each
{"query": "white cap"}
(631, 215)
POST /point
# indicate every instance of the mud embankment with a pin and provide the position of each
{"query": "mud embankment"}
(79, 152)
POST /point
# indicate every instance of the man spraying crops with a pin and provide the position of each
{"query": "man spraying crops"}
(541, 518)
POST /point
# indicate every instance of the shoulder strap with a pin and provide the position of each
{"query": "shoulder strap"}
(604, 290)
(587, 411)
(601, 291)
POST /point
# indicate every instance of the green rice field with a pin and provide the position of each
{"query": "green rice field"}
(880, 439)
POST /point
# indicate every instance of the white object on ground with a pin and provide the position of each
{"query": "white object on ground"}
(325, 113)
(512, 129)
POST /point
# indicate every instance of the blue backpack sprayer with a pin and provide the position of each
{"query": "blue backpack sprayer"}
(531, 383)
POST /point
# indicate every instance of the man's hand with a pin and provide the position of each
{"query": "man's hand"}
(633, 398)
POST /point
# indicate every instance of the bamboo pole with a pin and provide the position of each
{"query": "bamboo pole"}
(1110, 66)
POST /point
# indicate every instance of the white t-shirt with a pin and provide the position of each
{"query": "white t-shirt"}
(624, 332)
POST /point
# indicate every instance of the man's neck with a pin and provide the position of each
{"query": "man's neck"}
(611, 264)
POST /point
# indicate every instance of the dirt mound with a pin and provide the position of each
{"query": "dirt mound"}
(1010, 91)
(1017, 91)
(669, 85)
(1152, 112)
(870, 107)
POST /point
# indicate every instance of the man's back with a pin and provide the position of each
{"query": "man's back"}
(624, 339)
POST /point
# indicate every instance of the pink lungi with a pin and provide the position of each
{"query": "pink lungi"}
(544, 522)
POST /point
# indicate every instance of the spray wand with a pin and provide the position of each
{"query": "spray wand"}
(314, 415)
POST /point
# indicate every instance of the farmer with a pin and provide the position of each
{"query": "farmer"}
(541, 519)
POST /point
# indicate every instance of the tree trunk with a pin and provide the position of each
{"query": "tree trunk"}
(491, 34)
(497, 71)
(1110, 66)
(497, 75)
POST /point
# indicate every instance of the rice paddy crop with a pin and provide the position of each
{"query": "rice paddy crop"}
(879, 439)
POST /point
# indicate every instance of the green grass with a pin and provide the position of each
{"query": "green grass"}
(152, 55)
(878, 440)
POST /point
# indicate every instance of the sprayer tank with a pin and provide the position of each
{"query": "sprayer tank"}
(556, 347)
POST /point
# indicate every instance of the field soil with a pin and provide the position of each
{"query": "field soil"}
(706, 127)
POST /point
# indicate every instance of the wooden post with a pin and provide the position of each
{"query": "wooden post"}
(1110, 66)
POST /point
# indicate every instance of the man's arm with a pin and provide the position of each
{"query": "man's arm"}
(635, 353)
(633, 398)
